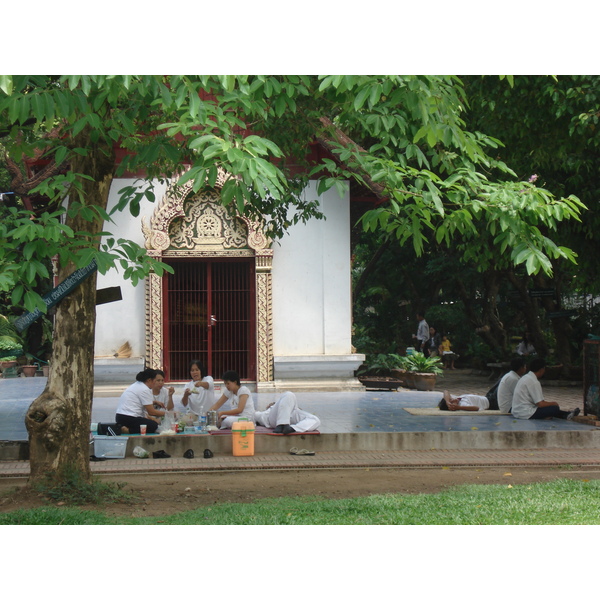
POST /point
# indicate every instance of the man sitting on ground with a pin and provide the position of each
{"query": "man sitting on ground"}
(528, 399)
(508, 383)
(465, 402)
(285, 416)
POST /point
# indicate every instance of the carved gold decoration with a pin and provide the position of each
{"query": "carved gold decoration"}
(264, 316)
(154, 331)
(185, 224)
(207, 224)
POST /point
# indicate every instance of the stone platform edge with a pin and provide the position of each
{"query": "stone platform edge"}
(176, 445)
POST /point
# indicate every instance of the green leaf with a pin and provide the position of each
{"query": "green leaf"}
(361, 97)
(228, 191)
(61, 154)
(6, 84)
(17, 294)
(32, 300)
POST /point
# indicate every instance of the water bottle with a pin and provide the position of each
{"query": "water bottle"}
(203, 422)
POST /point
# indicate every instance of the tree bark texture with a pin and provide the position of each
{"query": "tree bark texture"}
(563, 331)
(487, 324)
(58, 421)
(531, 313)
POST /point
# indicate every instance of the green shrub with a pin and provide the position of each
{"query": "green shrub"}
(380, 364)
(419, 363)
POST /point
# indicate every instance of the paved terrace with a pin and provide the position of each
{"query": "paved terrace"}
(359, 430)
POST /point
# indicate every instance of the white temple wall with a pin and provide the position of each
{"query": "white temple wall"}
(311, 295)
(311, 282)
(124, 320)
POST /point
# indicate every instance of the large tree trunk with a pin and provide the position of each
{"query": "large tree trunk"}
(531, 313)
(563, 331)
(486, 322)
(58, 421)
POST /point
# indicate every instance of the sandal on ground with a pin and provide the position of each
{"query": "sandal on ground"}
(301, 452)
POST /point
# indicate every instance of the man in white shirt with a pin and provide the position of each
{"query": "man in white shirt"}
(422, 332)
(528, 399)
(508, 383)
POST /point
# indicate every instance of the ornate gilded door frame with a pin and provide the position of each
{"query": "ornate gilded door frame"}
(191, 225)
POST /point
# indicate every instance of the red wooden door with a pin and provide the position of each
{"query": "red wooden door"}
(209, 315)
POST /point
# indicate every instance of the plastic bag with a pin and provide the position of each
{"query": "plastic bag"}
(167, 421)
(140, 452)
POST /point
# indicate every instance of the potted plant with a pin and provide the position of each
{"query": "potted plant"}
(380, 371)
(30, 370)
(10, 349)
(8, 362)
(421, 371)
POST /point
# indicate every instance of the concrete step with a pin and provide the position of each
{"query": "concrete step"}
(176, 445)
(115, 371)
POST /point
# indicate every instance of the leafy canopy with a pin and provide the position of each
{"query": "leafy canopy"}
(407, 141)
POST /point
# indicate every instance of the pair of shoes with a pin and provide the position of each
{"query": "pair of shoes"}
(160, 454)
(208, 453)
(188, 454)
(284, 429)
(573, 414)
(301, 452)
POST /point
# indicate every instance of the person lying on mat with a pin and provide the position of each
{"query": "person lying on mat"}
(240, 399)
(285, 416)
(465, 402)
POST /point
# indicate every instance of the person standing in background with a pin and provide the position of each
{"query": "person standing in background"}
(422, 334)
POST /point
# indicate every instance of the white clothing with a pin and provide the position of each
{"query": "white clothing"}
(423, 331)
(163, 396)
(481, 402)
(234, 400)
(201, 399)
(134, 400)
(527, 394)
(286, 412)
(506, 390)
(525, 349)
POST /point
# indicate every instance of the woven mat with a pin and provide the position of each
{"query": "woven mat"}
(264, 431)
(436, 412)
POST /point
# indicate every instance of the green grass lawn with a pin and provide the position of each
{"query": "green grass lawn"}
(562, 502)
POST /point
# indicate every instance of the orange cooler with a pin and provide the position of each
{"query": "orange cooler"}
(242, 433)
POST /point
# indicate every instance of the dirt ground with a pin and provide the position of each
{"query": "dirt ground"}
(167, 493)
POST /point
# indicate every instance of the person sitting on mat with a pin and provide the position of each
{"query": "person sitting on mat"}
(285, 416)
(136, 401)
(163, 396)
(240, 399)
(508, 383)
(199, 393)
(528, 398)
(465, 402)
